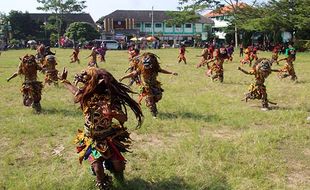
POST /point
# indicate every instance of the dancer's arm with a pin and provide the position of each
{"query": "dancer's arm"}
(206, 63)
(282, 59)
(129, 75)
(167, 72)
(275, 70)
(63, 77)
(245, 72)
(13, 76)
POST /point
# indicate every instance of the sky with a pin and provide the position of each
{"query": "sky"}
(96, 8)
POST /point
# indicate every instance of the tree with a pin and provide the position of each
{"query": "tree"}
(276, 16)
(200, 5)
(62, 6)
(59, 7)
(81, 31)
(182, 17)
(22, 25)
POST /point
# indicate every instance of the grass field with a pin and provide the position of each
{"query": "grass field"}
(204, 138)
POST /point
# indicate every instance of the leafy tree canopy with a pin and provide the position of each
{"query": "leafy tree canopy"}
(22, 25)
(80, 31)
(274, 16)
(182, 17)
(62, 6)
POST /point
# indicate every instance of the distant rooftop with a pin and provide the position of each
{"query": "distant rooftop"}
(68, 17)
(145, 16)
(224, 10)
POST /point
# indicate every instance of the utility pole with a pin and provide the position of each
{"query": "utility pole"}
(152, 20)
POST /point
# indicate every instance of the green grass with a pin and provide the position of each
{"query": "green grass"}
(204, 137)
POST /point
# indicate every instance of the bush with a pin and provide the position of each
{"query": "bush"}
(302, 45)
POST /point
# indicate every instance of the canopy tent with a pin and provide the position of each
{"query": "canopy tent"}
(152, 38)
(31, 42)
(134, 39)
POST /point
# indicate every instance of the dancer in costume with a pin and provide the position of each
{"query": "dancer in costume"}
(148, 69)
(75, 55)
(31, 88)
(49, 69)
(216, 71)
(103, 101)
(134, 59)
(275, 55)
(102, 51)
(261, 70)
(40, 53)
(93, 58)
(230, 52)
(133, 52)
(48, 51)
(211, 51)
(205, 55)
(253, 54)
(288, 69)
(247, 59)
(134, 63)
(181, 56)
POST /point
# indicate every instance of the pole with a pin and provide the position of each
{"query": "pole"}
(152, 20)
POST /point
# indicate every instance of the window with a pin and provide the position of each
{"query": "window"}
(188, 25)
(137, 25)
(178, 26)
(148, 25)
(158, 25)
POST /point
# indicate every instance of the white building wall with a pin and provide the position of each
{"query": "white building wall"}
(178, 29)
(199, 28)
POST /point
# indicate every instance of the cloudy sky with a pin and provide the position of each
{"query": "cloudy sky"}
(97, 8)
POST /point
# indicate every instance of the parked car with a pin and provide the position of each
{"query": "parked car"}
(88, 45)
(111, 44)
(187, 43)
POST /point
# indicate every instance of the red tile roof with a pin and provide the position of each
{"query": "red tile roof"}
(224, 10)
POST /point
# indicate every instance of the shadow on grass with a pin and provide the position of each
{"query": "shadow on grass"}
(236, 83)
(302, 82)
(68, 112)
(174, 183)
(188, 115)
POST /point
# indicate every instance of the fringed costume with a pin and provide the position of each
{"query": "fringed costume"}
(181, 56)
(275, 55)
(133, 52)
(216, 70)
(230, 52)
(103, 101)
(102, 51)
(31, 88)
(261, 70)
(205, 56)
(148, 69)
(134, 63)
(247, 59)
(211, 51)
(288, 69)
(93, 58)
(75, 55)
(253, 54)
(40, 53)
(49, 68)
